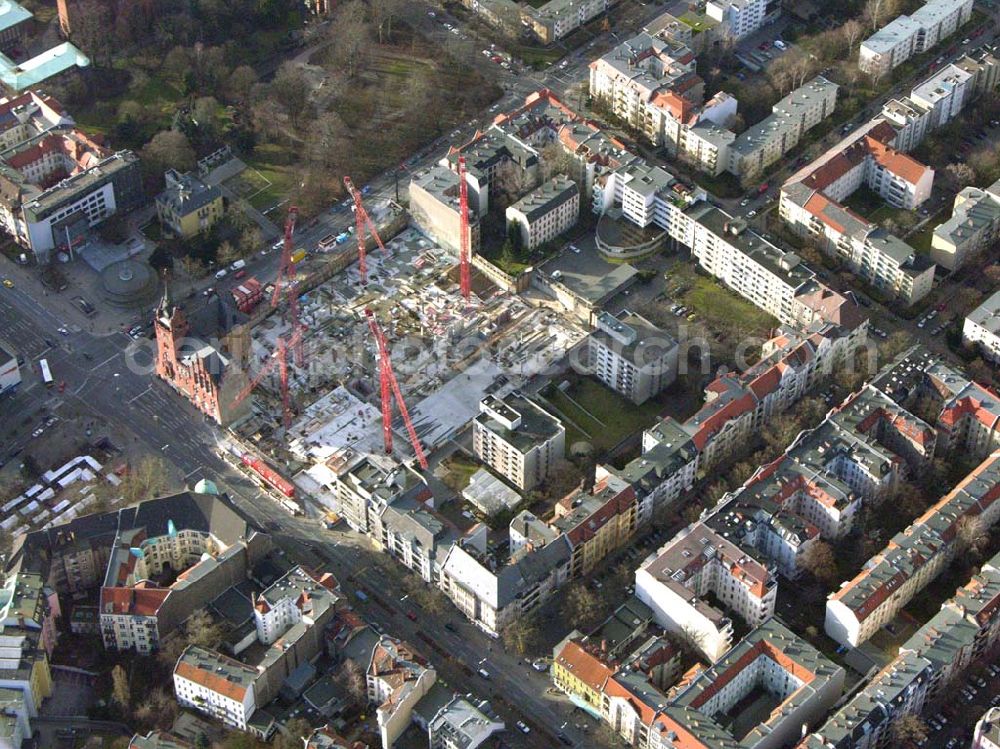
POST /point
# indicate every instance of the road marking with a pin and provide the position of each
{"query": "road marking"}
(98, 366)
(137, 397)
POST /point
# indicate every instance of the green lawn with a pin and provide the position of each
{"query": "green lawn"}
(921, 241)
(698, 22)
(719, 307)
(605, 416)
(459, 471)
(276, 165)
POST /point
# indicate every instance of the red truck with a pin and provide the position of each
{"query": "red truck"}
(248, 295)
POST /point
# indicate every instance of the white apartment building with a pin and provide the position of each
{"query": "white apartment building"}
(764, 143)
(490, 597)
(911, 35)
(810, 205)
(750, 265)
(740, 18)
(982, 328)
(545, 212)
(557, 18)
(693, 564)
(216, 685)
(517, 439)
(987, 734)
(943, 95)
(631, 355)
(974, 225)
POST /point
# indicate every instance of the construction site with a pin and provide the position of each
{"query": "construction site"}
(394, 329)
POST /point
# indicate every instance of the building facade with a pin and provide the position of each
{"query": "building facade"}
(906, 36)
(518, 439)
(982, 328)
(632, 356)
(545, 213)
(188, 206)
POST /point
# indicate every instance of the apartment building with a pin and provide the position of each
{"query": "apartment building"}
(666, 469)
(740, 18)
(937, 100)
(987, 733)
(546, 212)
(811, 206)
(188, 206)
(757, 270)
(698, 562)
(198, 534)
(736, 407)
(964, 629)
(518, 439)
(397, 677)
(557, 18)
(760, 145)
(369, 481)
(913, 558)
(434, 206)
(460, 725)
(10, 370)
(631, 356)
(290, 619)
(407, 529)
(646, 195)
(973, 226)
(216, 685)
(59, 184)
(968, 415)
(906, 36)
(982, 328)
(803, 682)
(494, 590)
(597, 522)
(651, 83)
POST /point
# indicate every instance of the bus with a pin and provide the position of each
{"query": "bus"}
(43, 365)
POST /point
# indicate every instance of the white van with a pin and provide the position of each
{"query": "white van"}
(220, 275)
(241, 263)
(780, 44)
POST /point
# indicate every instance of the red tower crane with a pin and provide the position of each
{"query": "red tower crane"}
(279, 357)
(285, 283)
(464, 238)
(388, 383)
(285, 264)
(361, 222)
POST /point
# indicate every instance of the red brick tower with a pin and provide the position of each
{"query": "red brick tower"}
(171, 328)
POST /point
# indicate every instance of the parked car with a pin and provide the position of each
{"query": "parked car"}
(523, 727)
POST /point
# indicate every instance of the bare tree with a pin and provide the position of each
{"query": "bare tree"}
(852, 30)
(291, 89)
(960, 175)
(873, 12)
(520, 635)
(91, 25)
(970, 535)
(350, 43)
(384, 12)
(169, 149)
(909, 728)
(582, 607)
(353, 679)
(818, 560)
(120, 692)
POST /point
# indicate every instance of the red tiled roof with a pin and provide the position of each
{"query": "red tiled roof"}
(211, 680)
(583, 666)
(136, 601)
